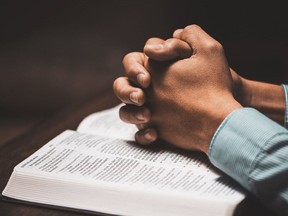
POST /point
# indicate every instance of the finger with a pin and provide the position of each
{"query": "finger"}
(172, 48)
(133, 64)
(127, 93)
(196, 37)
(155, 41)
(176, 33)
(135, 115)
(146, 136)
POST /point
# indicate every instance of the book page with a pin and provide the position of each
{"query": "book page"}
(108, 123)
(96, 159)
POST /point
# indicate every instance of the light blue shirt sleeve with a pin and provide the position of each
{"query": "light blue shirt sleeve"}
(253, 150)
(285, 87)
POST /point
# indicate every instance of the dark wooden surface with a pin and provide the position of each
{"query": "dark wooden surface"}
(20, 148)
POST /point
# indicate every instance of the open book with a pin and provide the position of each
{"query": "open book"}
(100, 168)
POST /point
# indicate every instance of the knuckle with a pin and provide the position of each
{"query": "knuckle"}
(152, 40)
(171, 43)
(212, 46)
(177, 32)
(191, 28)
(128, 57)
(123, 94)
(131, 70)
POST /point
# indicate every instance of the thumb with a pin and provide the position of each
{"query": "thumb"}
(196, 37)
(170, 49)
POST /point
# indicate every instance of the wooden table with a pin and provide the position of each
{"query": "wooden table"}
(18, 149)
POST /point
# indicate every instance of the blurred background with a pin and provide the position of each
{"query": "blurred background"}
(56, 53)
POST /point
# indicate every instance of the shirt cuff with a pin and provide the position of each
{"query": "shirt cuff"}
(285, 87)
(239, 140)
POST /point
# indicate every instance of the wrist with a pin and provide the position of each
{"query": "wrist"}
(219, 115)
(267, 98)
(243, 91)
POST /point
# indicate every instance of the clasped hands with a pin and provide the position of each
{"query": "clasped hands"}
(179, 90)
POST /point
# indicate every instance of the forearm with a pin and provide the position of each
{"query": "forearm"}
(267, 98)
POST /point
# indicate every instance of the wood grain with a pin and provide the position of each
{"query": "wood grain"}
(24, 145)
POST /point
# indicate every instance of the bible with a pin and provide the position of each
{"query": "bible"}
(100, 168)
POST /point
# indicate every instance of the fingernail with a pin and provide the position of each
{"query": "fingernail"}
(155, 46)
(134, 97)
(149, 136)
(140, 126)
(140, 116)
(141, 78)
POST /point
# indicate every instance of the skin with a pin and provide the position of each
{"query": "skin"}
(167, 90)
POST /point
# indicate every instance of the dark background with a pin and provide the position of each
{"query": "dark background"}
(59, 52)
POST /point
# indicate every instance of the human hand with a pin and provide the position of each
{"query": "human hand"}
(189, 98)
(143, 60)
(138, 78)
